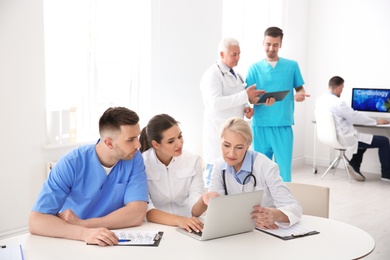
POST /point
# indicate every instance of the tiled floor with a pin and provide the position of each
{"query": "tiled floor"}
(362, 204)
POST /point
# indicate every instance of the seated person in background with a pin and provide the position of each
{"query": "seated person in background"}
(174, 176)
(243, 170)
(345, 117)
(94, 188)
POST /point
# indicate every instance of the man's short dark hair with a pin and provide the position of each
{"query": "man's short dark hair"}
(274, 32)
(114, 117)
(335, 82)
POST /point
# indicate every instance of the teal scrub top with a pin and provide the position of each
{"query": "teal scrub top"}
(285, 76)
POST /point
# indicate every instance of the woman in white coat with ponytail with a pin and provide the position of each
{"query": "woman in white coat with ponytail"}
(174, 176)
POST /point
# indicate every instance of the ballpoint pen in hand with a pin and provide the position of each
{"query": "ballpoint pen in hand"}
(123, 240)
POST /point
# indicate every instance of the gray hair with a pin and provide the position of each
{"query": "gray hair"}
(239, 126)
(226, 43)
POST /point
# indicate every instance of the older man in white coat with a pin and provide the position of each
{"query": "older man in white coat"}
(224, 96)
(345, 117)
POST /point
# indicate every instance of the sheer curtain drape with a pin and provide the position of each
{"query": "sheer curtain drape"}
(97, 55)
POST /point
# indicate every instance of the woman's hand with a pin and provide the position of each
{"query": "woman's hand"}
(208, 195)
(190, 224)
(266, 217)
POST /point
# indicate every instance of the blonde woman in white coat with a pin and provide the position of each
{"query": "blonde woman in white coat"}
(174, 176)
(243, 170)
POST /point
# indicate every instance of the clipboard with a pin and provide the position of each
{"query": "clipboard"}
(296, 231)
(137, 238)
(277, 95)
(12, 252)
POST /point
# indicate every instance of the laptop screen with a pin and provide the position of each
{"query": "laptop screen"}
(371, 100)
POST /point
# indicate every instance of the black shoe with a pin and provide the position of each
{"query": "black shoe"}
(356, 169)
(355, 174)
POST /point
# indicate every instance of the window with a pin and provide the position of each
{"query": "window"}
(97, 54)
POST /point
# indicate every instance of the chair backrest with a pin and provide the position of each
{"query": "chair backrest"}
(326, 129)
(313, 199)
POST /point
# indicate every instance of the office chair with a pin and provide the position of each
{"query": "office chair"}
(326, 134)
(313, 199)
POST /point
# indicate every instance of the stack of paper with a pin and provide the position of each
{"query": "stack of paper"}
(11, 253)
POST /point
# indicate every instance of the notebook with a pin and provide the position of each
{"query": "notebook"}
(228, 215)
(278, 96)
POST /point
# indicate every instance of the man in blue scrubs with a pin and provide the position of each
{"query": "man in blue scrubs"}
(271, 125)
(95, 188)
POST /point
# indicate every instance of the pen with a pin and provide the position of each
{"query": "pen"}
(123, 240)
(3, 246)
(304, 234)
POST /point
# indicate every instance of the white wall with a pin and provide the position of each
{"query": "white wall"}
(294, 47)
(22, 106)
(326, 38)
(349, 39)
(186, 40)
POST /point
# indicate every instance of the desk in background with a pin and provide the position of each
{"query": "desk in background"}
(371, 129)
(337, 240)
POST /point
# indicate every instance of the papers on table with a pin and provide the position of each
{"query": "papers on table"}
(292, 232)
(138, 238)
(11, 253)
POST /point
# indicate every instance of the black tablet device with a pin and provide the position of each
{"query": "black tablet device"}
(277, 95)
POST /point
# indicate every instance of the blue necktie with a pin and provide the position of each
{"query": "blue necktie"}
(232, 72)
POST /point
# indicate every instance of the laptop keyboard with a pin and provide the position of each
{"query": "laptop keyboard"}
(196, 233)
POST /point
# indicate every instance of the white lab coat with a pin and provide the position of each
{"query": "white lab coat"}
(224, 96)
(345, 117)
(276, 193)
(174, 188)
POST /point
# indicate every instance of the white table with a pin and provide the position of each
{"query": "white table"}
(337, 240)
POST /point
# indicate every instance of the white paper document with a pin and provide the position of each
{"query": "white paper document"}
(137, 237)
(294, 231)
(11, 253)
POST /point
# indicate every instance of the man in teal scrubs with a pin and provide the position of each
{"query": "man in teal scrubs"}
(271, 125)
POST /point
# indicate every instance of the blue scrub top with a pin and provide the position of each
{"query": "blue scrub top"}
(79, 182)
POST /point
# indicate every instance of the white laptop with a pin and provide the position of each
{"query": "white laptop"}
(228, 215)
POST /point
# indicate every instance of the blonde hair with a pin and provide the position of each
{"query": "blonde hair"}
(239, 126)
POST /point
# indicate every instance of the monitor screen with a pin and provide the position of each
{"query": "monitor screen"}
(371, 100)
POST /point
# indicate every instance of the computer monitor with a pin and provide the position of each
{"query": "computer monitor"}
(371, 100)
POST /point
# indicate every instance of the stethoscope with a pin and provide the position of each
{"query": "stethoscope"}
(238, 75)
(250, 175)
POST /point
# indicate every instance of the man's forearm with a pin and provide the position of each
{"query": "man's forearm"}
(133, 214)
(52, 226)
